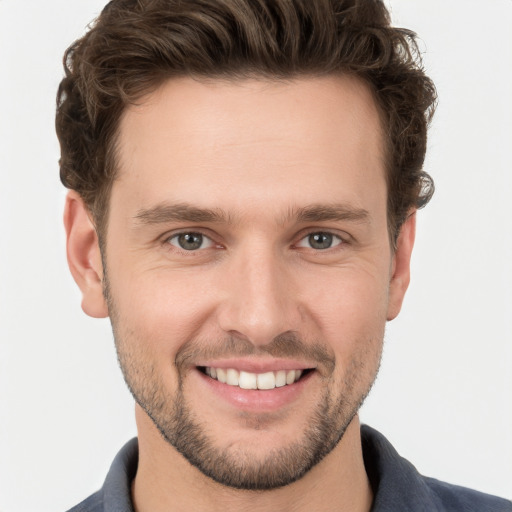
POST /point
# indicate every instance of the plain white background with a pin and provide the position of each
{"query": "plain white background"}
(444, 394)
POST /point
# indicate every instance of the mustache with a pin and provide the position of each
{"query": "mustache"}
(287, 346)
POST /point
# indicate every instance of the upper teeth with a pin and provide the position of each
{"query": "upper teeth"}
(247, 380)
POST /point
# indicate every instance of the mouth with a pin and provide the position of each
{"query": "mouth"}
(260, 381)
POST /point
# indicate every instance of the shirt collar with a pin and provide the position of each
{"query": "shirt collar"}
(395, 482)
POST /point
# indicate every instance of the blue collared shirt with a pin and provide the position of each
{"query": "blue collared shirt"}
(396, 484)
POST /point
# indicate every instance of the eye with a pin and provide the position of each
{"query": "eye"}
(320, 241)
(190, 241)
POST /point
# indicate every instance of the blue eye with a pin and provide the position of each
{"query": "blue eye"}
(190, 241)
(320, 241)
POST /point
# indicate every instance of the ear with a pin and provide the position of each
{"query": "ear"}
(401, 266)
(84, 257)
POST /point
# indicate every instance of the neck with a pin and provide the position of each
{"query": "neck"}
(165, 481)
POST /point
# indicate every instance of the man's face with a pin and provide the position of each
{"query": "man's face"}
(247, 240)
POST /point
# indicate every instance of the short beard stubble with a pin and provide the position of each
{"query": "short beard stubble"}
(237, 469)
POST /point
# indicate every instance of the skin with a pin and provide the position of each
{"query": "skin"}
(258, 153)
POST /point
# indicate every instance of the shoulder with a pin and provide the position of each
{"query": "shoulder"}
(397, 485)
(115, 495)
(93, 503)
(454, 497)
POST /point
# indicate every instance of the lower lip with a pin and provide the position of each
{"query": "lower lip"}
(252, 400)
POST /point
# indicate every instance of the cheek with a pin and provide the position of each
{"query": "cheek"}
(341, 297)
(162, 309)
(349, 307)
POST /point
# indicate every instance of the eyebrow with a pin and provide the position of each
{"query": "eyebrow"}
(332, 212)
(181, 212)
(184, 212)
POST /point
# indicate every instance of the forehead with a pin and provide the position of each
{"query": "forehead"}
(218, 143)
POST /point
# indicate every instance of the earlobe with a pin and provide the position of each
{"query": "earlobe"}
(84, 256)
(401, 267)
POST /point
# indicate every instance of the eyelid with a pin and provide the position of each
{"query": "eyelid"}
(166, 239)
(344, 238)
(337, 240)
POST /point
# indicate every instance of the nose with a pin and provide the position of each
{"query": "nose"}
(259, 299)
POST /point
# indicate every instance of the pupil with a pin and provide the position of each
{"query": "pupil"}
(320, 240)
(190, 241)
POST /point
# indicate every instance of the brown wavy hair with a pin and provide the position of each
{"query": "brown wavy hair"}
(136, 45)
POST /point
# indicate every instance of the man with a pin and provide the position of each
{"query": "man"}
(244, 179)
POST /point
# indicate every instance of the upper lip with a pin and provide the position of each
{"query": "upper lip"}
(258, 365)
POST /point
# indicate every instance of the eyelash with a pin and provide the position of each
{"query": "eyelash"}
(195, 232)
(341, 240)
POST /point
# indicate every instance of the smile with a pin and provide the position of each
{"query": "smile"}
(248, 380)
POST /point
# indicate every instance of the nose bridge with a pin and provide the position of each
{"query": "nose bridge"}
(259, 303)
